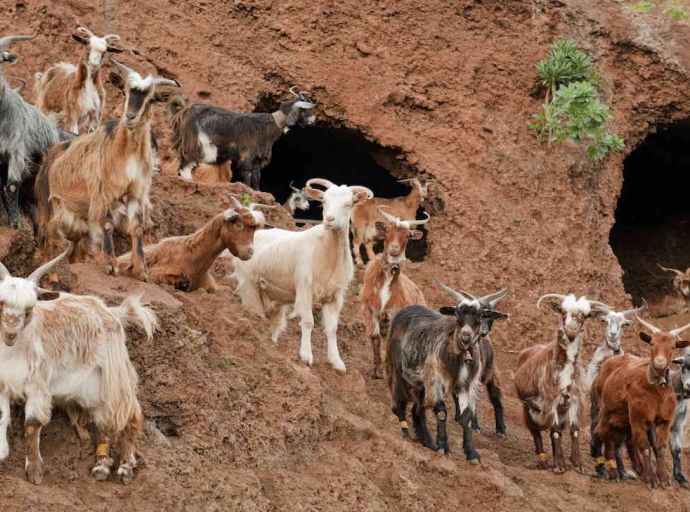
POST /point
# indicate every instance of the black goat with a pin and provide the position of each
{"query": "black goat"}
(429, 353)
(213, 135)
(490, 376)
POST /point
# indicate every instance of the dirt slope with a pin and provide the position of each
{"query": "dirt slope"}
(237, 423)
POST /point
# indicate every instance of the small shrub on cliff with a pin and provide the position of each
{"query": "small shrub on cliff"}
(643, 6)
(572, 109)
(676, 13)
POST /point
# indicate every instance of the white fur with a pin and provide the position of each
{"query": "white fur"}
(186, 172)
(136, 82)
(132, 168)
(385, 293)
(209, 150)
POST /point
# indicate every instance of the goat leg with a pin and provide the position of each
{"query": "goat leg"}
(101, 470)
(34, 462)
(377, 372)
(4, 423)
(108, 245)
(662, 430)
(496, 398)
(465, 421)
(12, 202)
(596, 444)
(128, 449)
(575, 457)
(622, 472)
(400, 410)
(557, 446)
(419, 420)
(610, 452)
(442, 436)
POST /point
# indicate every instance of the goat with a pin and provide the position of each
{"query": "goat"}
(680, 381)
(549, 383)
(25, 136)
(615, 325)
(213, 135)
(386, 290)
(365, 217)
(429, 353)
(74, 95)
(298, 200)
(490, 376)
(69, 351)
(82, 186)
(636, 402)
(681, 283)
(301, 268)
(184, 261)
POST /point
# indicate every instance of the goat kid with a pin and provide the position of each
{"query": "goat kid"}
(549, 383)
(636, 402)
(429, 353)
(298, 200)
(69, 351)
(213, 135)
(184, 261)
(85, 183)
(74, 96)
(386, 289)
(302, 268)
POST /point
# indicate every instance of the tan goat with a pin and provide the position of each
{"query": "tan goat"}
(84, 183)
(184, 261)
(365, 216)
(72, 95)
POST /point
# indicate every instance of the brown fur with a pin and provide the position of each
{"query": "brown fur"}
(184, 261)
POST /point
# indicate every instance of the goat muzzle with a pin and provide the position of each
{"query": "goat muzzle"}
(10, 338)
(395, 269)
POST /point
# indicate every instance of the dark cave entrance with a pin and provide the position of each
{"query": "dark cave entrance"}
(342, 156)
(653, 214)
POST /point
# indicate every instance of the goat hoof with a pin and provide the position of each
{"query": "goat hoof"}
(339, 366)
(126, 474)
(307, 358)
(4, 449)
(34, 473)
(100, 473)
(600, 470)
(474, 462)
(377, 373)
(502, 434)
(558, 471)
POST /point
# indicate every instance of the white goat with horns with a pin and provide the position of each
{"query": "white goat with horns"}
(301, 268)
(69, 351)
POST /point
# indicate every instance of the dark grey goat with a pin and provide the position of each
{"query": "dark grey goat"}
(680, 380)
(25, 135)
(213, 135)
(430, 353)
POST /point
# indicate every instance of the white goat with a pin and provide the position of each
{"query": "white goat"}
(69, 351)
(615, 324)
(301, 268)
(298, 200)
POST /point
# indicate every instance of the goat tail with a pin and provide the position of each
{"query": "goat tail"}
(173, 107)
(132, 313)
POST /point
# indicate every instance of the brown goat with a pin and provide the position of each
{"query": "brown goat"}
(636, 401)
(84, 183)
(386, 290)
(365, 216)
(184, 261)
(74, 95)
(549, 382)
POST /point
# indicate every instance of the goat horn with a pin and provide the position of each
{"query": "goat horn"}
(292, 90)
(412, 223)
(550, 295)
(648, 325)
(671, 270)
(457, 296)
(236, 202)
(14, 39)
(4, 272)
(304, 104)
(294, 189)
(21, 81)
(162, 82)
(628, 311)
(676, 332)
(406, 180)
(114, 37)
(122, 67)
(387, 216)
(254, 206)
(357, 188)
(599, 305)
(319, 181)
(493, 298)
(468, 295)
(432, 181)
(37, 274)
(84, 30)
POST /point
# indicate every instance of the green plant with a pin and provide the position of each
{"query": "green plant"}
(572, 109)
(643, 6)
(676, 13)
(228, 361)
(246, 199)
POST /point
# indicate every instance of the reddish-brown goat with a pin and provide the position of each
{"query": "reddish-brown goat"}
(386, 290)
(636, 401)
(184, 261)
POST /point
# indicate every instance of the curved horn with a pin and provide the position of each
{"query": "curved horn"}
(319, 181)
(85, 31)
(600, 305)
(628, 311)
(122, 67)
(113, 37)
(163, 82)
(676, 332)
(648, 325)
(292, 90)
(4, 272)
(387, 216)
(294, 189)
(493, 298)
(678, 272)
(303, 104)
(406, 180)
(457, 296)
(412, 223)
(21, 81)
(236, 203)
(254, 206)
(550, 295)
(357, 188)
(14, 39)
(37, 274)
(468, 295)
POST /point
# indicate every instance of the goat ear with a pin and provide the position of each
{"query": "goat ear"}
(629, 322)
(415, 235)
(360, 197)
(112, 49)
(645, 337)
(381, 227)
(10, 57)
(555, 306)
(80, 40)
(47, 295)
(494, 315)
(679, 360)
(315, 194)
(447, 310)
(682, 344)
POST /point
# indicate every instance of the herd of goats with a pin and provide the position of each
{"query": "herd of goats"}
(70, 351)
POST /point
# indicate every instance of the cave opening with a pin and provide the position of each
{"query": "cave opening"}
(343, 156)
(653, 213)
